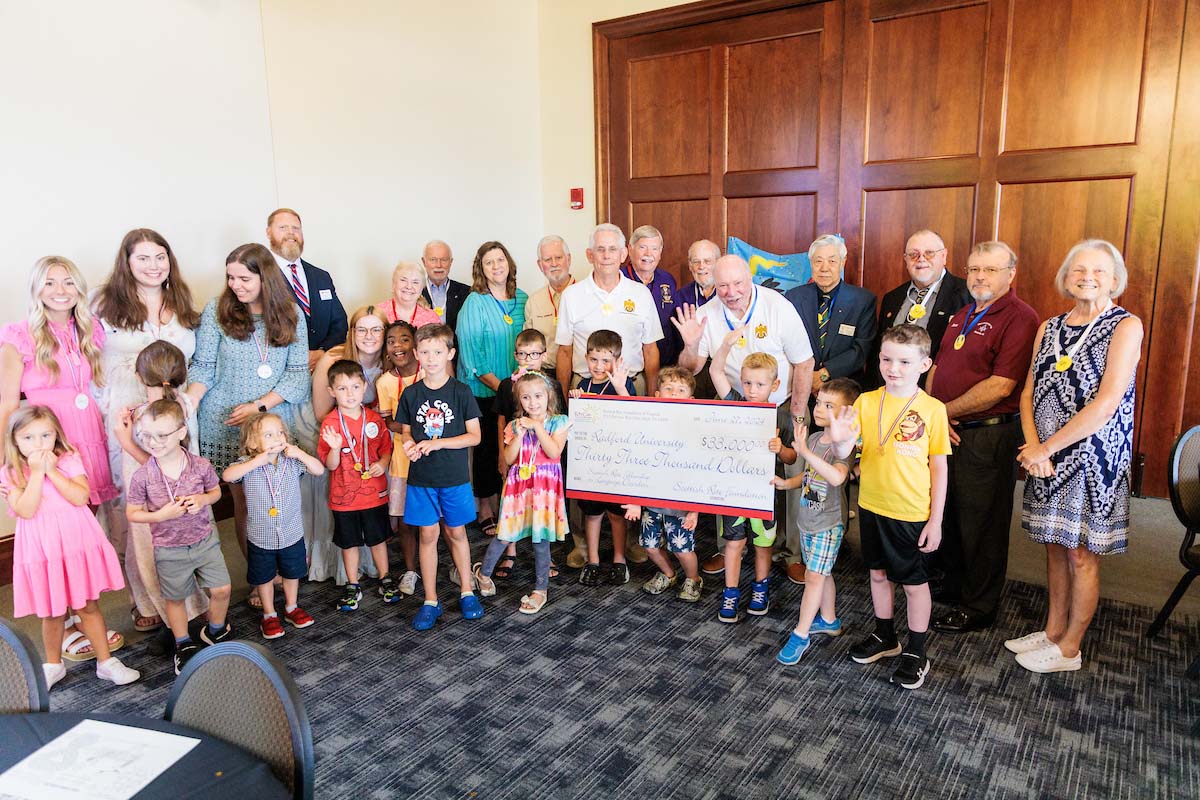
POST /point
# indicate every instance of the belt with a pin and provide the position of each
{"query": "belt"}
(999, 419)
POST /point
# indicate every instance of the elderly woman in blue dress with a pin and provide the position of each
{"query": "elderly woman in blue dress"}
(251, 356)
(1077, 417)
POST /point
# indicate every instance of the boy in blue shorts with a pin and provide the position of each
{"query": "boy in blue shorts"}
(759, 378)
(439, 420)
(902, 494)
(822, 518)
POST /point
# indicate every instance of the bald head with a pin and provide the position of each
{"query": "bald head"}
(702, 257)
(734, 286)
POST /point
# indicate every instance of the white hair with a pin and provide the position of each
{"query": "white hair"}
(1120, 274)
(703, 243)
(436, 243)
(605, 227)
(552, 238)
(828, 240)
(645, 232)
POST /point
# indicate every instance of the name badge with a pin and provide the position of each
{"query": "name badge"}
(326, 294)
(845, 330)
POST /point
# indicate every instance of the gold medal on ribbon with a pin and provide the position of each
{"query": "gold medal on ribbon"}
(366, 476)
(959, 341)
(917, 311)
(440, 311)
(358, 466)
(507, 319)
(526, 471)
(1063, 364)
(273, 511)
(606, 309)
(741, 342)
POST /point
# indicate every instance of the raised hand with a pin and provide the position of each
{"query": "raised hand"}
(619, 374)
(734, 336)
(332, 437)
(801, 439)
(689, 325)
(843, 426)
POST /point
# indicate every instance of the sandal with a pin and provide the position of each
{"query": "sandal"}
(533, 602)
(553, 570)
(488, 526)
(253, 600)
(144, 624)
(77, 642)
(502, 572)
(485, 585)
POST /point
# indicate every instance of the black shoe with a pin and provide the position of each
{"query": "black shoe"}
(617, 575)
(961, 620)
(389, 590)
(209, 638)
(911, 670)
(591, 575)
(872, 648)
(184, 653)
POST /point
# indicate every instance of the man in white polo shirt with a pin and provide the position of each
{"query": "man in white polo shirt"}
(772, 326)
(607, 300)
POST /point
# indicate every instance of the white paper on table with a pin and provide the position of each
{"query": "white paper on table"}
(94, 760)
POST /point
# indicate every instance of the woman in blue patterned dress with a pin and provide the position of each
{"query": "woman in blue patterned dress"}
(1077, 417)
(251, 355)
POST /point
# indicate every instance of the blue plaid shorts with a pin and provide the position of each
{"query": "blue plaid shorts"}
(820, 549)
(658, 527)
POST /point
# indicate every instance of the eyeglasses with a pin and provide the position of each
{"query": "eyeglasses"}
(989, 271)
(369, 331)
(432, 260)
(155, 438)
(696, 262)
(534, 354)
(916, 255)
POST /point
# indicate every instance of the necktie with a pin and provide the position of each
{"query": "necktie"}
(823, 318)
(921, 294)
(298, 288)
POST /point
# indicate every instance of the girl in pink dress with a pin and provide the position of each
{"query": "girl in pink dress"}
(54, 358)
(61, 557)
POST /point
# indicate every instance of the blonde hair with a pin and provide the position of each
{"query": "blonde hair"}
(14, 459)
(45, 343)
(249, 443)
(761, 361)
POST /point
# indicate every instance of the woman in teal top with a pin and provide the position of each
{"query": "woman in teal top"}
(251, 355)
(488, 324)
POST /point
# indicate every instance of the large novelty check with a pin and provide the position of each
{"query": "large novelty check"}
(699, 455)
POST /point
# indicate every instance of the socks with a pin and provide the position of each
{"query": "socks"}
(182, 640)
(272, 615)
(291, 608)
(431, 602)
(916, 643)
(215, 630)
(884, 630)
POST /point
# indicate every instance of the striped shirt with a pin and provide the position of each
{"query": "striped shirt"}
(287, 527)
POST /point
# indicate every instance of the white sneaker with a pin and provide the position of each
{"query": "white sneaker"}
(113, 670)
(1049, 659)
(1027, 644)
(408, 583)
(54, 673)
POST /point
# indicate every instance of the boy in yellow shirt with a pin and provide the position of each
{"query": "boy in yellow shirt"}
(902, 492)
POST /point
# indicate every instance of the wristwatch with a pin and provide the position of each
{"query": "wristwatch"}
(262, 408)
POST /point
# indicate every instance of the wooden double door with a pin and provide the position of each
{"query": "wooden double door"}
(1038, 123)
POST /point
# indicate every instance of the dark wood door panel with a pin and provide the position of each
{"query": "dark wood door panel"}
(681, 222)
(780, 225)
(669, 107)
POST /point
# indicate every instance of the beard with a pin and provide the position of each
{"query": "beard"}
(982, 295)
(290, 249)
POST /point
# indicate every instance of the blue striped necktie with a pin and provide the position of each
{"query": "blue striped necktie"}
(823, 318)
(298, 288)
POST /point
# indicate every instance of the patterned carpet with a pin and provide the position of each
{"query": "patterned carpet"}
(612, 693)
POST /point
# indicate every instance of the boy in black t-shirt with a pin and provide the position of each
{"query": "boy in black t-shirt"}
(439, 420)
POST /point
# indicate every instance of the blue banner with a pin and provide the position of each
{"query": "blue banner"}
(767, 269)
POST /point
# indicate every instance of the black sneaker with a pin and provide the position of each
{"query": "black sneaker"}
(184, 653)
(872, 648)
(617, 575)
(591, 575)
(389, 590)
(911, 670)
(350, 597)
(209, 638)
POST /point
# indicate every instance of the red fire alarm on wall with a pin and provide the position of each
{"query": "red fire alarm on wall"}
(577, 198)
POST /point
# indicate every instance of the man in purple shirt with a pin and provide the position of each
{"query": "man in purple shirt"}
(702, 257)
(645, 251)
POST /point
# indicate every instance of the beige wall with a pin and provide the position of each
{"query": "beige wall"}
(568, 111)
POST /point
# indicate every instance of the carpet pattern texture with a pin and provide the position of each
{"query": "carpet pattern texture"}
(614, 693)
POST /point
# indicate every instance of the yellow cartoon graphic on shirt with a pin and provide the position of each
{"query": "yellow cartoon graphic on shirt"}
(911, 428)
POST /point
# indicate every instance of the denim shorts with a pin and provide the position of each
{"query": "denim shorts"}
(262, 565)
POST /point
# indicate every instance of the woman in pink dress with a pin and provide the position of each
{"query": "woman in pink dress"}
(53, 358)
(407, 281)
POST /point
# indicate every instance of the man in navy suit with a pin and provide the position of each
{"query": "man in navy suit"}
(928, 301)
(312, 286)
(444, 296)
(840, 320)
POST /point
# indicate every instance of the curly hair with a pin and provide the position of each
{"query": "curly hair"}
(278, 304)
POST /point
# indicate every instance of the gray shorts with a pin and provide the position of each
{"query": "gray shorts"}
(180, 569)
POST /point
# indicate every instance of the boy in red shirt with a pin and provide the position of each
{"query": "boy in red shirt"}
(356, 447)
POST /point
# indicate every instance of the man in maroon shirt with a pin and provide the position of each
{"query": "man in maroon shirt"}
(979, 373)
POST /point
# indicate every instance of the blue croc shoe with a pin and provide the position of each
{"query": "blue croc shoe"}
(793, 650)
(729, 605)
(819, 625)
(426, 617)
(760, 599)
(471, 607)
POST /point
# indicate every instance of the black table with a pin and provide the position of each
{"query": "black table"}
(210, 769)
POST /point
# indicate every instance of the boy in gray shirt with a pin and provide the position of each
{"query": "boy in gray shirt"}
(822, 518)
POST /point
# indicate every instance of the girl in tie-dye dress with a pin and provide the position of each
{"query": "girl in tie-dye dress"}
(533, 505)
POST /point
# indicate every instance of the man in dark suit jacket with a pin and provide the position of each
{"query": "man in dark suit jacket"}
(445, 296)
(312, 286)
(850, 327)
(928, 300)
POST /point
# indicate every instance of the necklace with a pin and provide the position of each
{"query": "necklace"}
(505, 314)
(883, 437)
(359, 465)
(745, 320)
(1063, 361)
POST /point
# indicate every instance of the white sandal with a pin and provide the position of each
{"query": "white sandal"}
(534, 602)
(486, 586)
(75, 641)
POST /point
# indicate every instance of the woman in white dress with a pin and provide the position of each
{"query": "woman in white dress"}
(144, 300)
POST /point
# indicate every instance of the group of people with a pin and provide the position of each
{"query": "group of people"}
(445, 405)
